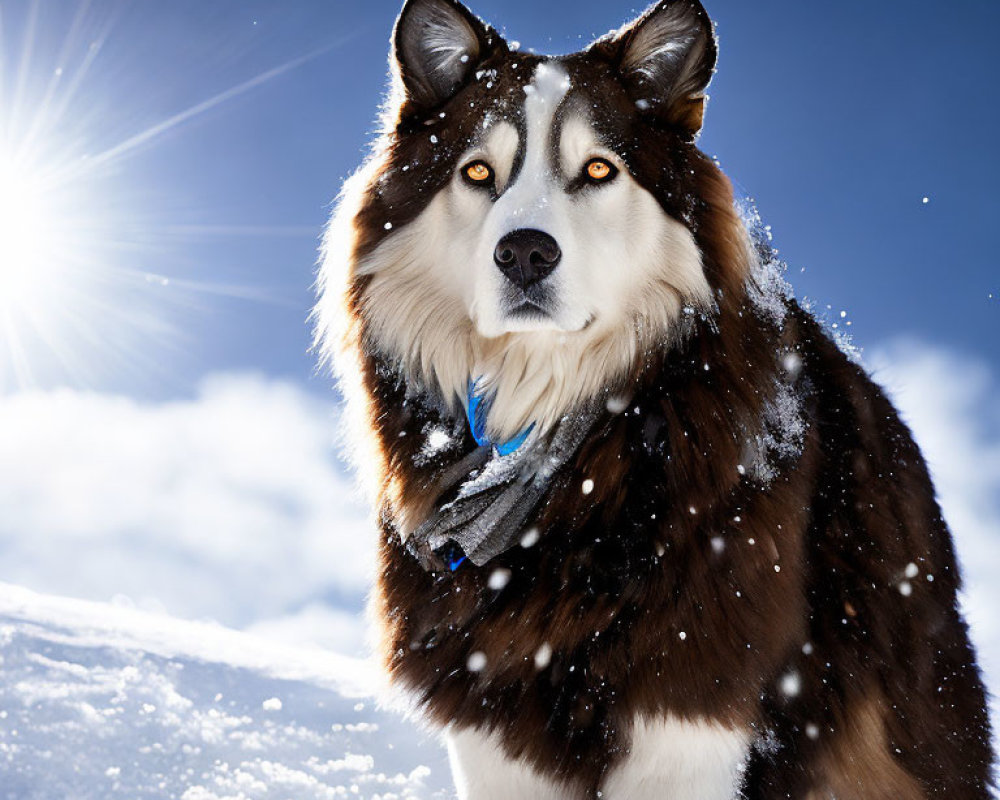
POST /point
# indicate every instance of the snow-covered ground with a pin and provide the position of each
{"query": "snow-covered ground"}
(102, 702)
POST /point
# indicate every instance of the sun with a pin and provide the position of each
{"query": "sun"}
(52, 265)
(30, 235)
(66, 296)
(79, 304)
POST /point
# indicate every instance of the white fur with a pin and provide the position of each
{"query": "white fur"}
(447, 39)
(482, 771)
(434, 301)
(674, 759)
(668, 759)
(533, 201)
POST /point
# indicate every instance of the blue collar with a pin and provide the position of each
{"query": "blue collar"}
(477, 410)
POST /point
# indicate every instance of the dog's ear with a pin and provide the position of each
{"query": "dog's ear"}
(666, 59)
(436, 47)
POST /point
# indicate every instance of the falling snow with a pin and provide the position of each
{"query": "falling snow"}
(617, 404)
(499, 578)
(476, 661)
(543, 656)
(791, 684)
(792, 364)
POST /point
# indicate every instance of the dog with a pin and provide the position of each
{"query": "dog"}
(645, 530)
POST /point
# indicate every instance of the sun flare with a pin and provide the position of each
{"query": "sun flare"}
(54, 263)
(82, 243)
(29, 235)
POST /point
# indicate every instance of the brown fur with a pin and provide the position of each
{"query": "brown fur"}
(858, 764)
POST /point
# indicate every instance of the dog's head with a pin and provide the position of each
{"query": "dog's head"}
(530, 223)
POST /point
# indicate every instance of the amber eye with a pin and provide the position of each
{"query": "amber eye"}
(598, 170)
(478, 173)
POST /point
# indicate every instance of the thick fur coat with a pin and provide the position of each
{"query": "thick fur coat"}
(741, 584)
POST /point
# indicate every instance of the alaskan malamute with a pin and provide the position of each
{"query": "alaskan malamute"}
(645, 531)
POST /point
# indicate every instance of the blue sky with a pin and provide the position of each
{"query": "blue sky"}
(838, 118)
(164, 437)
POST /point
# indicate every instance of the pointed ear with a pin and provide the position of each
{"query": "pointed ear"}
(666, 59)
(436, 47)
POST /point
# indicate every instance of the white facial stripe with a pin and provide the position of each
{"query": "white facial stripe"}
(543, 96)
(528, 202)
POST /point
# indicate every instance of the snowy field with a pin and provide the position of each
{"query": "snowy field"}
(220, 559)
(102, 702)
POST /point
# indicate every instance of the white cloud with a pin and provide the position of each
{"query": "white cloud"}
(950, 403)
(231, 505)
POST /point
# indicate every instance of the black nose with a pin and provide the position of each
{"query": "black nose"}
(527, 256)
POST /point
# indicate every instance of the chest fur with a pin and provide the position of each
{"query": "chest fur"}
(665, 758)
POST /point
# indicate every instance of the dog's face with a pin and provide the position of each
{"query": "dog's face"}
(526, 223)
(546, 228)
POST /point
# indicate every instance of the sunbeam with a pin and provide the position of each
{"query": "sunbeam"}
(144, 137)
(25, 237)
(78, 300)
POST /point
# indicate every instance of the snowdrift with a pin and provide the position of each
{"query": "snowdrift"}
(99, 701)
